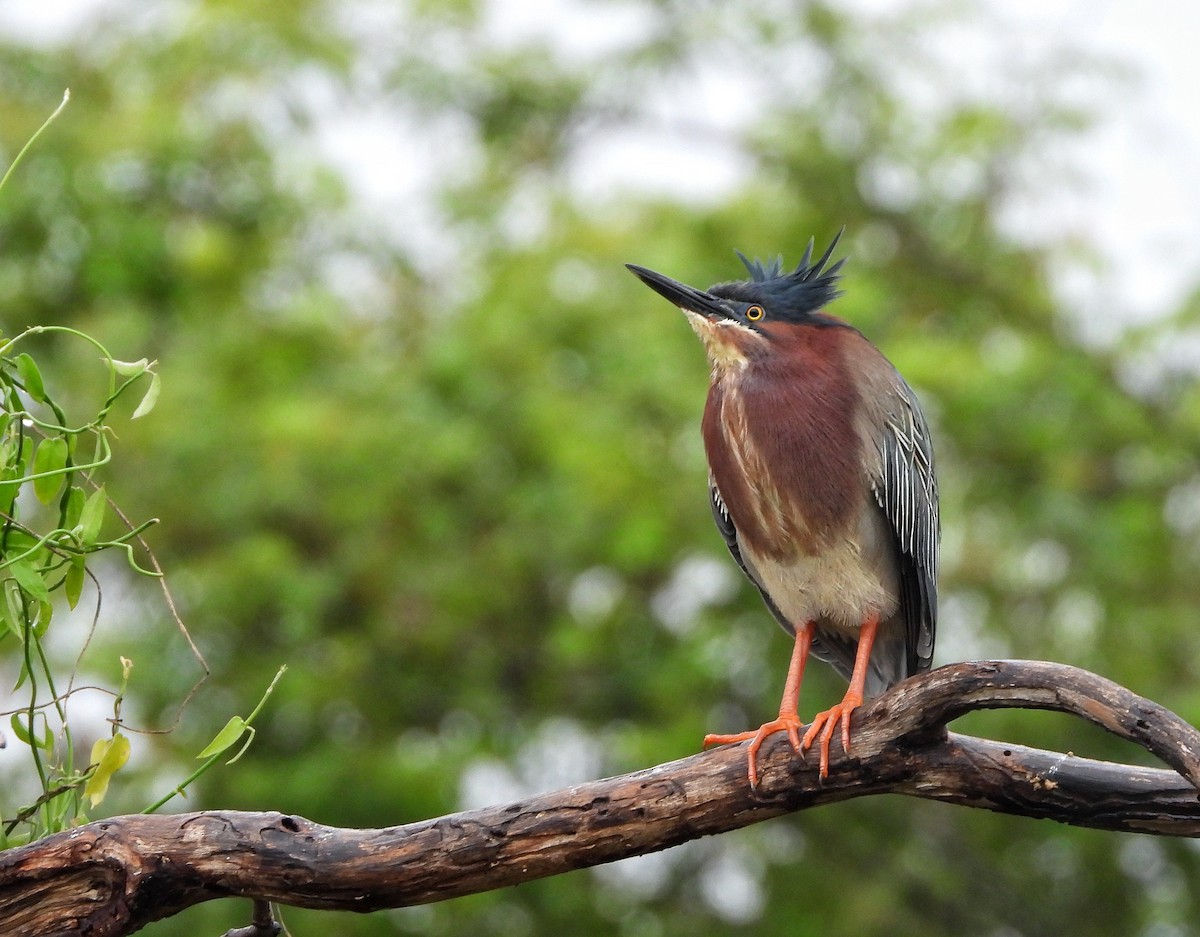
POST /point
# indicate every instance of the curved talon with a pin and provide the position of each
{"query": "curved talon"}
(825, 723)
(786, 722)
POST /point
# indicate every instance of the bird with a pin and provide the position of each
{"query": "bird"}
(821, 482)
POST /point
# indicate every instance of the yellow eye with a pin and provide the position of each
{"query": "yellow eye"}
(754, 313)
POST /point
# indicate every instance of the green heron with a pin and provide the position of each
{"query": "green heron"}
(821, 481)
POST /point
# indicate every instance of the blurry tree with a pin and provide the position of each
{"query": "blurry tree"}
(443, 458)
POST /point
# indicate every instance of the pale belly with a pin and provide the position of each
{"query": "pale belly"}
(840, 586)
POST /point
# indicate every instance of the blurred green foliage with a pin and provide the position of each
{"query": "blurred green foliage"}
(441, 457)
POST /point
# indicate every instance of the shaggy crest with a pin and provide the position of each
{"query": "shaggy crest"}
(791, 295)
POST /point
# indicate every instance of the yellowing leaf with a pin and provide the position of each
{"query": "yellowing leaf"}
(109, 756)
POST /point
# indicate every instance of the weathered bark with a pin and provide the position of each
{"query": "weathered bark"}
(113, 876)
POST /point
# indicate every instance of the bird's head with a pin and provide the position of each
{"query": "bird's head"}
(739, 318)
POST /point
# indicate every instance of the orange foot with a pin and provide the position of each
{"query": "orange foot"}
(786, 722)
(826, 724)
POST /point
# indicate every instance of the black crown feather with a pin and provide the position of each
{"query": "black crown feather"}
(807, 288)
(760, 271)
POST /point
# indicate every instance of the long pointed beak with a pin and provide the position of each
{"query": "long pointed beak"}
(682, 295)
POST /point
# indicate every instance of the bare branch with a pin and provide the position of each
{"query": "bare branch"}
(114, 876)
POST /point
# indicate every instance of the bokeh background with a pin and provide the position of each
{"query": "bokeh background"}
(422, 438)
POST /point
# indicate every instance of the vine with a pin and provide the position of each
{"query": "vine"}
(55, 519)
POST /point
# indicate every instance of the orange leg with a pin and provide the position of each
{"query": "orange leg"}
(789, 716)
(851, 701)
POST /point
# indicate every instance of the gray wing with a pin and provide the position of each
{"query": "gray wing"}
(906, 490)
(729, 535)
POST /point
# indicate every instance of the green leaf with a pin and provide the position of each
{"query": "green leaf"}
(27, 732)
(75, 500)
(225, 738)
(14, 610)
(8, 494)
(92, 516)
(30, 580)
(31, 377)
(21, 677)
(45, 611)
(130, 368)
(150, 399)
(73, 583)
(18, 727)
(19, 541)
(51, 457)
(109, 756)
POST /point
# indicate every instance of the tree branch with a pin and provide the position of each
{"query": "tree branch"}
(114, 876)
